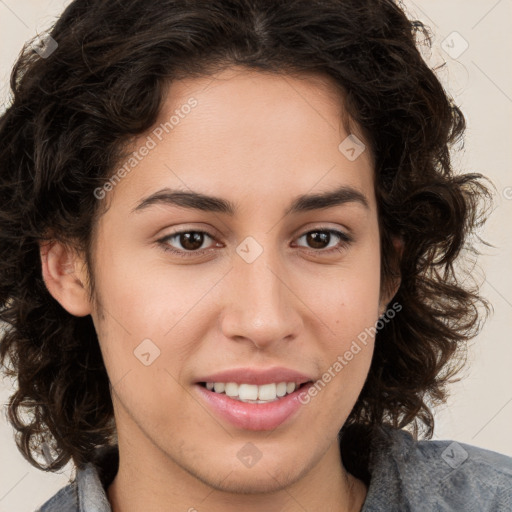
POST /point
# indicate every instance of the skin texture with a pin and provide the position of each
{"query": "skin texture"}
(259, 141)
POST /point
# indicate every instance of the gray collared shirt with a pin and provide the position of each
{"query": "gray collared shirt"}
(406, 475)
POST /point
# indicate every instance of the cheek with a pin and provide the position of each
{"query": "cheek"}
(150, 314)
(346, 297)
(148, 297)
(348, 310)
(347, 305)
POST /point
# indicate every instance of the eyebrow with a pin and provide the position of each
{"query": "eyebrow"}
(197, 201)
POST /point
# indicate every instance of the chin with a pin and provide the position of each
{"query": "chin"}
(266, 476)
(251, 482)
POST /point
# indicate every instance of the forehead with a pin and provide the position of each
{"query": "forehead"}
(249, 135)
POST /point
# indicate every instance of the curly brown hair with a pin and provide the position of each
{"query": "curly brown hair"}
(73, 113)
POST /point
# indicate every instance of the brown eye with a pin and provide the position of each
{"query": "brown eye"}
(186, 243)
(191, 241)
(317, 239)
(321, 240)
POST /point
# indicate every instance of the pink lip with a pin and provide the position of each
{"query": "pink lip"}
(257, 376)
(252, 416)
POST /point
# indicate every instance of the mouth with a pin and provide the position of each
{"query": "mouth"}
(253, 407)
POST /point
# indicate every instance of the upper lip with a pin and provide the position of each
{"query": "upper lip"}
(258, 376)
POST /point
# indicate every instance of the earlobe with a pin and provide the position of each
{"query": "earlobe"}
(64, 275)
(385, 304)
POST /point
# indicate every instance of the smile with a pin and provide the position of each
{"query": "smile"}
(241, 405)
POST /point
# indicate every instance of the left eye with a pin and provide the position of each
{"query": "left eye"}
(319, 237)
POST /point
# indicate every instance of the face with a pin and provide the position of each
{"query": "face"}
(260, 291)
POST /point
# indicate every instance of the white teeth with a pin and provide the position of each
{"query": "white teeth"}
(231, 389)
(218, 387)
(281, 389)
(267, 392)
(251, 392)
(247, 392)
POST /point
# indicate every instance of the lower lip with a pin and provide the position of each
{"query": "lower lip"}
(253, 416)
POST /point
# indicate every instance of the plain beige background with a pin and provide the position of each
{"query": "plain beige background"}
(473, 38)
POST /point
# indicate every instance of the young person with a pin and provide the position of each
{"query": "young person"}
(228, 236)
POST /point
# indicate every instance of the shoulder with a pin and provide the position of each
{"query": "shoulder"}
(87, 492)
(65, 500)
(438, 475)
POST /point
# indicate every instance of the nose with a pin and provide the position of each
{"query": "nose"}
(260, 305)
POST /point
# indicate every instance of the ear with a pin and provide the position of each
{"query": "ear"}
(393, 282)
(64, 273)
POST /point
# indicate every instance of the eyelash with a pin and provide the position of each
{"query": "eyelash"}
(345, 241)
